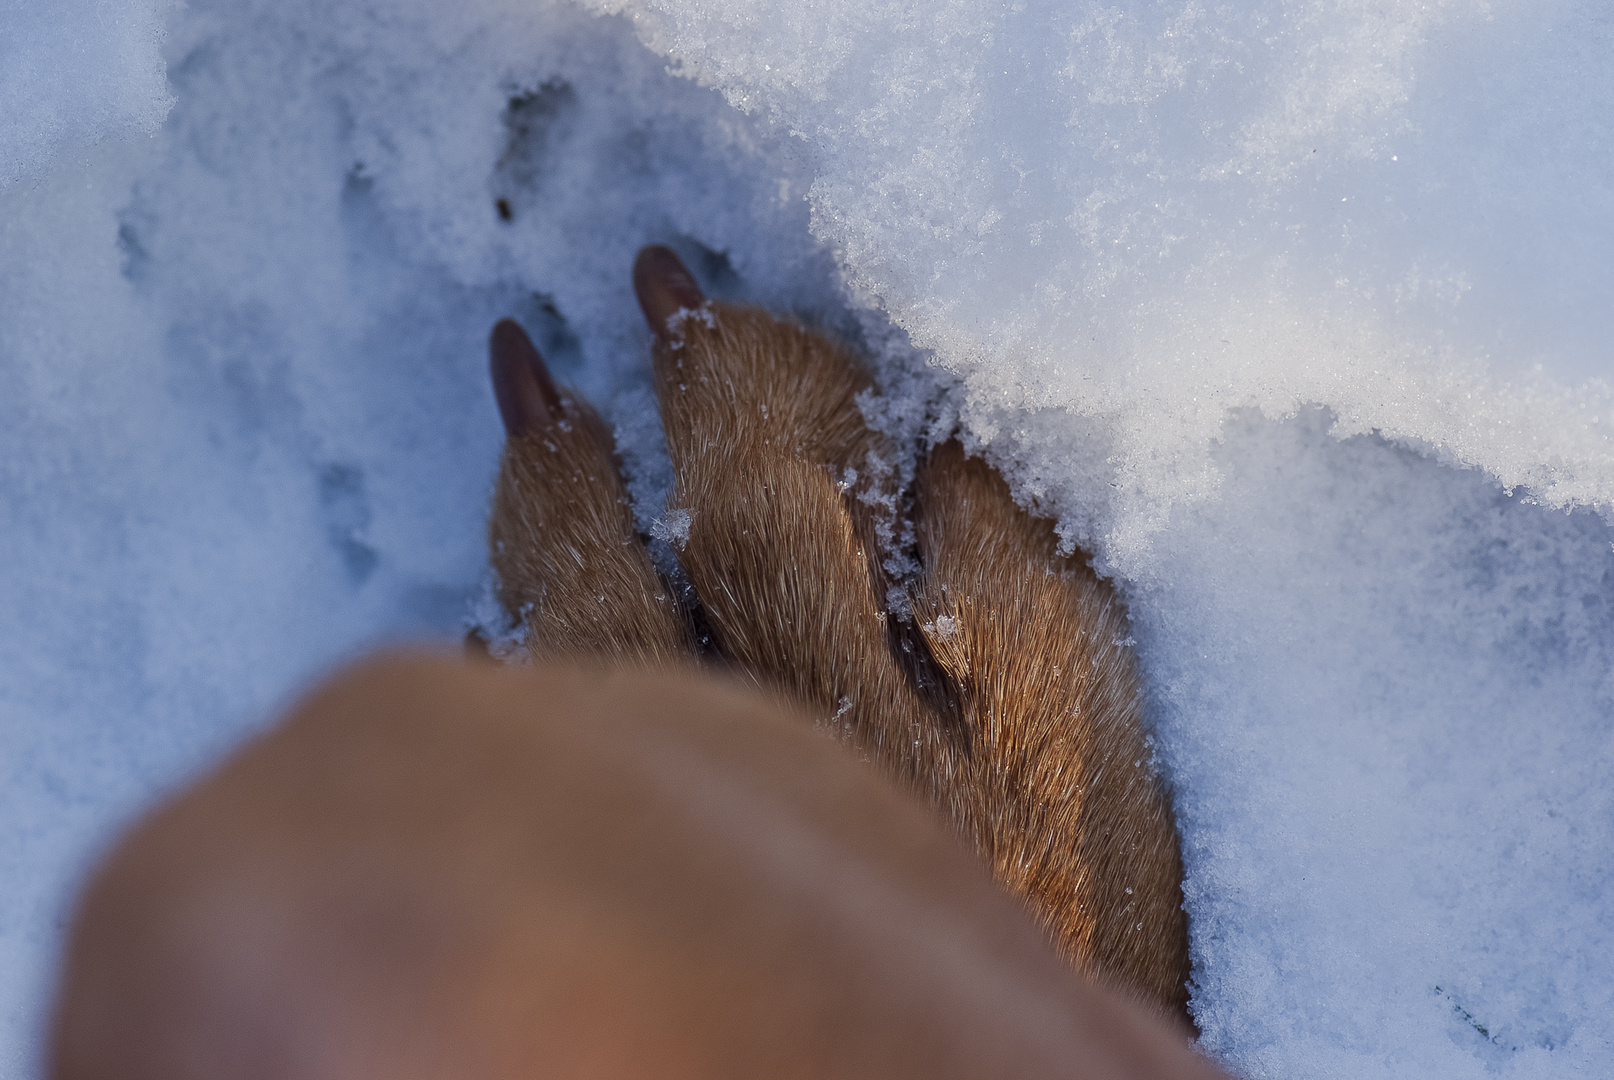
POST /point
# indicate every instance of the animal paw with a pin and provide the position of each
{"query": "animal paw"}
(1011, 703)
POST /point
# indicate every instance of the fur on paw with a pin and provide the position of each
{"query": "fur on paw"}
(1020, 718)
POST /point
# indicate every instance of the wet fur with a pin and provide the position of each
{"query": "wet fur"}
(1033, 748)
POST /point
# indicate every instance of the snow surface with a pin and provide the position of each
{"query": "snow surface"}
(1296, 313)
(73, 72)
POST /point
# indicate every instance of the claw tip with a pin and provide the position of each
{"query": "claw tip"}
(664, 286)
(526, 394)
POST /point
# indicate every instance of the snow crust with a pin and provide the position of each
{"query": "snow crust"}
(1295, 314)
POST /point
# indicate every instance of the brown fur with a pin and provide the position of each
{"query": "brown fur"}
(562, 543)
(438, 870)
(1060, 796)
(763, 426)
(1042, 764)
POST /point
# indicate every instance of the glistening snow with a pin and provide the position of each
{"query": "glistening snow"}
(1297, 313)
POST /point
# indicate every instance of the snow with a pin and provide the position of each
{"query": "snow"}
(75, 72)
(673, 527)
(1297, 314)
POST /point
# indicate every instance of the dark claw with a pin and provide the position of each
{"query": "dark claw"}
(664, 286)
(528, 400)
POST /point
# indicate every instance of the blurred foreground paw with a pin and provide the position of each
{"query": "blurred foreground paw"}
(441, 870)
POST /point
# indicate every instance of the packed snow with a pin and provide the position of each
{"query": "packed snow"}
(1296, 314)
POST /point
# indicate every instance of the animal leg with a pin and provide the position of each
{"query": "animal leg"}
(561, 538)
(1058, 789)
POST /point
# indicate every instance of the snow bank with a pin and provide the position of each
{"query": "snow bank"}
(1295, 314)
(1148, 214)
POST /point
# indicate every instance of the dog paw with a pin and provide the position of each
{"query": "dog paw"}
(1010, 702)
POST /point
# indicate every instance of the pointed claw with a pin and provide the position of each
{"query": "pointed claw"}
(528, 400)
(664, 287)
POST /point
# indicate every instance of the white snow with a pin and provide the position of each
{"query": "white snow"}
(73, 72)
(1297, 314)
(673, 527)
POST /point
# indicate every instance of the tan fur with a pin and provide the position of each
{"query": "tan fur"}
(446, 871)
(568, 561)
(1060, 795)
(763, 426)
(1043, 765)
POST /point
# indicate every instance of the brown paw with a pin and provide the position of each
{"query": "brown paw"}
(1034, 747)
